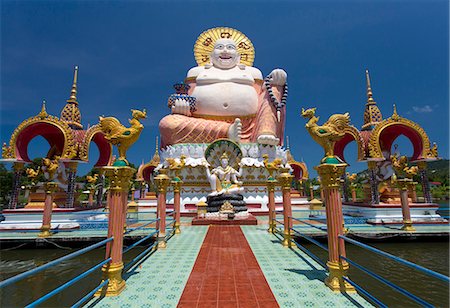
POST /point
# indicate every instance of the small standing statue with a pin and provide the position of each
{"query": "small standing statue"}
(224, 178)
(121, 136)
(327, 134)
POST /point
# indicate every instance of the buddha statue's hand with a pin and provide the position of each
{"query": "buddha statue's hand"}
(181, 106)
(268, 139)
(278, 77)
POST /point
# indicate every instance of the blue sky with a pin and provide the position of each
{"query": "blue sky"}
(131, 52)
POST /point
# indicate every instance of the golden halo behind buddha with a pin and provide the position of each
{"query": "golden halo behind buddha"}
(205, 45)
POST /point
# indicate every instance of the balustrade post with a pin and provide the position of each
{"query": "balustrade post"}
(330, 175)
(119, 178)
(162, 182)
(176, 183)
(424, 181)
(375, 196)
(50, 188)
(71, 171)
(311, 191)
(406, 212)
(14, 197)
(285, 180)
(271, 205)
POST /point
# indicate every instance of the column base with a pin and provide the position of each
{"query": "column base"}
(116, 284)
(287, 239)
(162, 242)
(177, 228)
(334, 280)
(407, 226)
(45, 231)
(272, 227)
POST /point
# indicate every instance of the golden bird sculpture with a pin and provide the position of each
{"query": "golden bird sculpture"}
(328, 134)
(272, 166)
(120, 136)
(50, 166)
(351, 177)
(92, 179)
(31, 173)
(400, 165)
(176, 166)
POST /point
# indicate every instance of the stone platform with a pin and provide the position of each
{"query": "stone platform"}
(249, 220)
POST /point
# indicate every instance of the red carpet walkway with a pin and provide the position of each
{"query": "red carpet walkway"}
(226, 274)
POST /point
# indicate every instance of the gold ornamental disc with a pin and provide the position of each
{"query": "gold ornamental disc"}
(205, 45)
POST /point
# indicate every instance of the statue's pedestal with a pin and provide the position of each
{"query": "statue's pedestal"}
(236, 200)
(245, 220)
(36, 200)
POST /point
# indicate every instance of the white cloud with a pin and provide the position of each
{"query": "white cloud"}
(426, 108)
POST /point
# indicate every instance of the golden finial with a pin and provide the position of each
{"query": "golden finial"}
(73, 93)
(43, 114)
(395, 115)
(224, 156)
(369, 88)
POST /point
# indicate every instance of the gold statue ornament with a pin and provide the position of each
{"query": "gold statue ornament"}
(327, 134)
(401, 168)
(120, 136)
(272, 166)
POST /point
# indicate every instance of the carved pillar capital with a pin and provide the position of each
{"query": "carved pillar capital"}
(330, 174)
(177, 185)
(271, 185)
(50, 187)
(119, 177)
(285, 179)
(162, 181)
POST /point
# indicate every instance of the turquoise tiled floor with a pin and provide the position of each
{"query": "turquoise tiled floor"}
(160, 280)
(295, 279)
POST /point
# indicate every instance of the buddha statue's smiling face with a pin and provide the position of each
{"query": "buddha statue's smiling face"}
(225, 54)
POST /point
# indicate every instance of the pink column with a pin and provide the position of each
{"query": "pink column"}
(91, 197)
(406, 212)
(119, 178)
(330, 175)
(162, 181)
(285, 180)
(50, 188)
(177, 204)
(271, 205)
(353, 194)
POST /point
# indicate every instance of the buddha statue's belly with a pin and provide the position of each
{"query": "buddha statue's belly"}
(225, 99)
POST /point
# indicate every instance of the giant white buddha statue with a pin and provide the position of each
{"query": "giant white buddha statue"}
(231, 98)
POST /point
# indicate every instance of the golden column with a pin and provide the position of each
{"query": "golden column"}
(271, 204)
(177, 183)
(285, 180)
(404, 178)
(119, 175)
(119, 178)
(330, 175)
(403, 185)
(50, 187)
(330, 171)
(162, 182)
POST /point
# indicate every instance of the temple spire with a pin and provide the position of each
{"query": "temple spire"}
(43, 112)
(369, 89)
(156, 159)
(71, 113)
(372, 115)
(73, 92)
